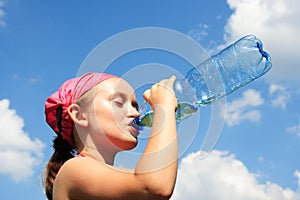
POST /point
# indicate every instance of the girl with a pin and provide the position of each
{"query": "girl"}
(93, 116)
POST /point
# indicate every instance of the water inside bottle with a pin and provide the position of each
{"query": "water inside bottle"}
(183, 111)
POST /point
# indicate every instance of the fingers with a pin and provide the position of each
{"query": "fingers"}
(168, 83)
(161, 92)
(146, 94)
(172, 80)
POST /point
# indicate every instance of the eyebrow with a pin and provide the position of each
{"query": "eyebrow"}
(120, 94)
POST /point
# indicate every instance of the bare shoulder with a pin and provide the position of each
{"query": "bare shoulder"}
(74, 177)
(82, 168)
(78, 169)
(86, 178)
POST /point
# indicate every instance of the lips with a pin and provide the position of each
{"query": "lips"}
(134, 129)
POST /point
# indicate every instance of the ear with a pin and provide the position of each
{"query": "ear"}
(77, 115)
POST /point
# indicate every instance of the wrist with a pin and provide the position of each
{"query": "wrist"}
(158, 108)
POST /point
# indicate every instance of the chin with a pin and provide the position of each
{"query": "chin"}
(124, 145)
(129, 145)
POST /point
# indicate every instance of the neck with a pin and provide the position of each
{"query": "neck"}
(101, 152)
(99, 155)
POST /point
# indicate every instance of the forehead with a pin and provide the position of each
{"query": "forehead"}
(113, 85)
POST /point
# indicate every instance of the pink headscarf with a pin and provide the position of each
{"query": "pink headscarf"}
(56, 106)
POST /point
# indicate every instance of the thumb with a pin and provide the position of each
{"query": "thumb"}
(146, 95)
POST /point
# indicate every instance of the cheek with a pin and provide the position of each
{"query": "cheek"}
(107, 116)
(118, 115)
(104, 112)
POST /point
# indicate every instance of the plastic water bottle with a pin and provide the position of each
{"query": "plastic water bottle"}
(233, 67)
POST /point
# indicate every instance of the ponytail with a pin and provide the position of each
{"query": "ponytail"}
(63, 151)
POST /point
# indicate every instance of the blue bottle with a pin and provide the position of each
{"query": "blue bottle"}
(233, 67)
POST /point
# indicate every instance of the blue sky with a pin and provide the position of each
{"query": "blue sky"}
(44, 43)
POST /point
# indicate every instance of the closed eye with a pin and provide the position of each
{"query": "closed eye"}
(119, 104)
(119, 101)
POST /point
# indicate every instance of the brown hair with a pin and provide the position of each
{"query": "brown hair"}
(63, 151)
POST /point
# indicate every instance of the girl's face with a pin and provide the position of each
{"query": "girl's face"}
(115, 108)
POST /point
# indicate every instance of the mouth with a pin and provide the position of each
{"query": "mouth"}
(134, 130)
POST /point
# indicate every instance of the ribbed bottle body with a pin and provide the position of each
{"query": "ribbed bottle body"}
(233, 67)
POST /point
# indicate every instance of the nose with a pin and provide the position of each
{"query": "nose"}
(136, 118)
(133, 112)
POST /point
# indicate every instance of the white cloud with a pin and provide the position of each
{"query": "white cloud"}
(18, 152)
(276, 22)
(242, 109)
(294, 129)
(199, 33)
(32, 80)
(279, 96)
(220, 176)
(2, 14)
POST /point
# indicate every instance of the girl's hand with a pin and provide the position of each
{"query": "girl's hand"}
(162, 94)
